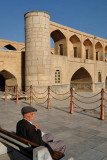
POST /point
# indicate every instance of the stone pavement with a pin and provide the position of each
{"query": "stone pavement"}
(84, 133)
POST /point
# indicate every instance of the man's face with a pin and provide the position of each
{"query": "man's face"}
(30, 116)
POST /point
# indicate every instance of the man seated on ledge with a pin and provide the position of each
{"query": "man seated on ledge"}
(26, 129)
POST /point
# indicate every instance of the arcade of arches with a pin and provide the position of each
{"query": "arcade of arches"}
(76, 59)
(84, 58)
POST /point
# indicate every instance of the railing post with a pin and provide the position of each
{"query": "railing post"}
(31, 98)
(102, 115)
(17, 94)
(6, 92)
(71, 104)
(48, 100)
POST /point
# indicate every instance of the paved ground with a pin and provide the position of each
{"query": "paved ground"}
(84, 133)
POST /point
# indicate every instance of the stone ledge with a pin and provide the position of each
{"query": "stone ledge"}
(4, 149)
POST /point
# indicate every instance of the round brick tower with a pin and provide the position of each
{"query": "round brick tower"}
(37, 49)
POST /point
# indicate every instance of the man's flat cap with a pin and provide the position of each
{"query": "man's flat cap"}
(28, 109)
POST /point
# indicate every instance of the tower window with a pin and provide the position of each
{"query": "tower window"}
(57, 76)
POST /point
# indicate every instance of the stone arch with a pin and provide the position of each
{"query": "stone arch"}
(81, 80)
(99, 51)
(9, 47)
(60, 46)
(76, 46)
(88, 49)
(22, 49)
(106, 51)
(7, 78)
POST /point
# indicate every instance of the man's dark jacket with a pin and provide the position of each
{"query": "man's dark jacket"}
(28, 131)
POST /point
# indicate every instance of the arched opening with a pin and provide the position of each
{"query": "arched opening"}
(106, 53)
(76, 46)
(99, 51)
(7, 78)
(2, 83)
(9, 47)
(52, 46)
(81, 80)
(88, 49)
(58, 41)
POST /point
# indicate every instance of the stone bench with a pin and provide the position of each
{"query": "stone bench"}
(24, 146)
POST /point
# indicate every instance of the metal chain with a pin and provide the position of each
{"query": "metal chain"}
(39, 98)
(105, 100)
(87, 97)
(60, 94)
(40, 93)
(87, 102)
(59, 99)
(39, 103)
(85, 108)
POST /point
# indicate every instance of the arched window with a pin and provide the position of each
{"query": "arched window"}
(76, 46)
(86, 53)
(75, 51)
(58, 42)
(61, 49)
(57, 76)
(97, 56)
(99, 51)
(88, 49)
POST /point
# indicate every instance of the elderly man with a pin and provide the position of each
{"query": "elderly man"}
(26, 129)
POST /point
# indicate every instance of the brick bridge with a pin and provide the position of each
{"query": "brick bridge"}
(78, 59)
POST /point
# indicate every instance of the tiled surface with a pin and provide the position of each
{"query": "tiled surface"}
(84, 134)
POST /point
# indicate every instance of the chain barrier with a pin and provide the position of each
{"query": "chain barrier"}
(41, 97)
(105, 93)
(87, 102)
(39, 103)
(40, 93)
(105, 100)
(28, 98)
(20, 92)
(58, 93)
(86, 108)
(59, 99)
(105, 107)
(94, 109)
(87, 97)
(17, 92)
(27, 90)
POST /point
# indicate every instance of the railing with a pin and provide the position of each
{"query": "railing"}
(76, 100)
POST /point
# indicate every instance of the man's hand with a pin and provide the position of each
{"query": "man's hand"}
(36, 125)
